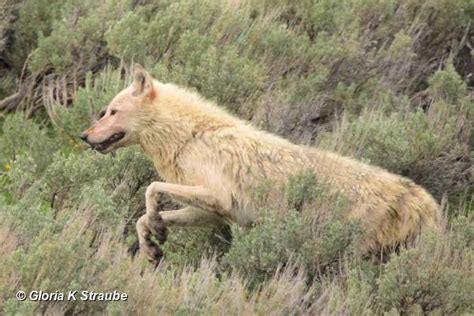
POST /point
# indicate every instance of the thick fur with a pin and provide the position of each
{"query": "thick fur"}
(194, 143)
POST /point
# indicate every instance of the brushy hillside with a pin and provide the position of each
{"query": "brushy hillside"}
(387, 81)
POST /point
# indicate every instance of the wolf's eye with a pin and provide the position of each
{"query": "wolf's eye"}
(113, 112)
(101, 114)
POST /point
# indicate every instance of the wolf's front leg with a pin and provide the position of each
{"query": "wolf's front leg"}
(205, 208)
(151, 224)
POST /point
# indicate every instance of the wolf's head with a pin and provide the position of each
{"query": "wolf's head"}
(120, 123)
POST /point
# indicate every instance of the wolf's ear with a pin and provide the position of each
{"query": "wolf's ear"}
(142, 82)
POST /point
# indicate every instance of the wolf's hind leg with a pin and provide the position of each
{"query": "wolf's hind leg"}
(156, 225)
(191, 217)
(204, 208)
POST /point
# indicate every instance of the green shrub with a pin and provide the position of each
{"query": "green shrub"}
(29, 216)
(396, 142)
(93, 97)
(7, 84)
(24, 137)
(447, 85)
(434, 278)
(35, 19)
(302, 188)
(416, 280)
(190, 245)
(361, 288)
(260, 251)
(217, 73)
(19, 178)
(152, 32)
(124, 178)
(311, 232)
(75, 34)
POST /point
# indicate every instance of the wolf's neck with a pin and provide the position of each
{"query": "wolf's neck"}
(162, 142)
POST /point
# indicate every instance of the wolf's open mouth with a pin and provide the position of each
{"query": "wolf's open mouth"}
(109, 141)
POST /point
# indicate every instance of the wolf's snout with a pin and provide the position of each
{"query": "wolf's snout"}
(84, 136)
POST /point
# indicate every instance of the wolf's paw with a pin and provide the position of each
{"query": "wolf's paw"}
(157, 227)
(153, 253)
(147, 228)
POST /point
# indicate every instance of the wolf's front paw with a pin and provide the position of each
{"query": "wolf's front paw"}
(153, 253)
(157, 227)
(146, 228)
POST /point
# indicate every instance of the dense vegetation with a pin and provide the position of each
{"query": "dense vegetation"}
(387, 81)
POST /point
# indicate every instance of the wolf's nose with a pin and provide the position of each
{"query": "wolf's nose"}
(83, 136)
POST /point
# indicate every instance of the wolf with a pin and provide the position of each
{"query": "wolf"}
(212, 162)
